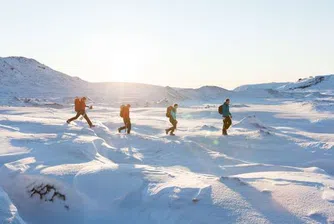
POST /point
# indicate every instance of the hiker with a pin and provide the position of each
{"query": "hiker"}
(80, 108)
(125, 114)
(171, 114)
(225, 111)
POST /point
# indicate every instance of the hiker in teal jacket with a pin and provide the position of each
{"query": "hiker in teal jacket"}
(226, 116)
(171, 113)
(226, 108)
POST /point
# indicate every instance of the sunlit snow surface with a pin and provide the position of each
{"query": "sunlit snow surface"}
(276, 166)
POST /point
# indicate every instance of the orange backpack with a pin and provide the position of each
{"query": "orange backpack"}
(121, 110)
(169, 110)
(77, 104)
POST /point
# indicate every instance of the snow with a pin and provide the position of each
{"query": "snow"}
(255, 87)
(322, 83)
(27, 82)
(276, 165)
(8, 211)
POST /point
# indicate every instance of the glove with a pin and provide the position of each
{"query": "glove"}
(91, 107)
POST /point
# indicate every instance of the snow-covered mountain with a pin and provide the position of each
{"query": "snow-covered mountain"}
(27, 81)
(206, 93)
(317, 83)
(317, 91)
(262, 86)
(27, 77)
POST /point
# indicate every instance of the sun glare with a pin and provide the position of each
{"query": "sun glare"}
(130, 59)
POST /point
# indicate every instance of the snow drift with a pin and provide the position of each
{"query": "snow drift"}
(270, 169)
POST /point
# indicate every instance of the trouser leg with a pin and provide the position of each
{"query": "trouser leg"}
(128, 125)
(168, 130)
(227, 123)
(174, 123)
(88, 120)
(74, 118)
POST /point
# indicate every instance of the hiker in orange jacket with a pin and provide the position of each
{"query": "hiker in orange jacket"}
(80, 108)
(125, 114)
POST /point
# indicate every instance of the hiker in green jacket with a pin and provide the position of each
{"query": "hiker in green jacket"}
(171, 114)
(226, 116)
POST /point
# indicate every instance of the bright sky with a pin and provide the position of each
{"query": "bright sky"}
(183, 43)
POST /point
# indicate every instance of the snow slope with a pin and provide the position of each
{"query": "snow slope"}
(276, 166)
(25, 81)
(8, 211)
(319, 83)
(263, 86)
(23, 76)
(316, 91)
(206, 93)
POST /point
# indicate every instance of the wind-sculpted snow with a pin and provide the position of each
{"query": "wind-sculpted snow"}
(252, 123)
(276, 166)
(8, 211)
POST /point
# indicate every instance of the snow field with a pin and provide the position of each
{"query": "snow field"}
(276, 166)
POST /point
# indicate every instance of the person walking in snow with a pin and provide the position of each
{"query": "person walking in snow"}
(80, 108)
(125, 114)
(227, 116)
(171, 114)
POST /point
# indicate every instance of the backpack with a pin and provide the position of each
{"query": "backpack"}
(77, 104)
(169, 110)
(220, 109)
(121, 111)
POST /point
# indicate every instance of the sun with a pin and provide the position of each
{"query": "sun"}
(130, 60)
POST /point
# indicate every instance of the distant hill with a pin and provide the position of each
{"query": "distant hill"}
(25, 81)
(27, 77)
(323, 82)
(319, 83)
(310, 88)
(273, 85)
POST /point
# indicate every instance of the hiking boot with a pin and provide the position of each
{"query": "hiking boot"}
(166, 130)
(119, 130)
(172, 134)
(68, 122)
(92, 126)
(224, 132)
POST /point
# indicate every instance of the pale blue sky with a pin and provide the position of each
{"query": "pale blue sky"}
(185, 43)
